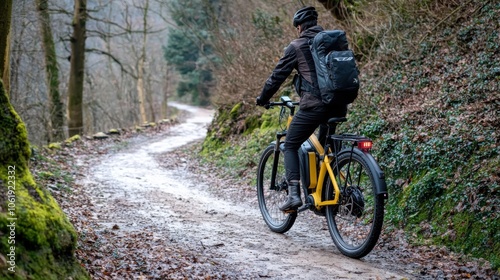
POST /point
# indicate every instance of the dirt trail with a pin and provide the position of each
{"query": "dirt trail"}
(133, 193)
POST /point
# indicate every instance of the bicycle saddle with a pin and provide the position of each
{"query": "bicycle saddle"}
(337, 120)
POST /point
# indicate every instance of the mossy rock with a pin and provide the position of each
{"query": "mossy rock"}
(100, 135)
(148, 124)
(54, 146)
(72, 139)
(114, 132)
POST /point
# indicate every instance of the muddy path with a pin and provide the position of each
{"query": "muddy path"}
(132, 193)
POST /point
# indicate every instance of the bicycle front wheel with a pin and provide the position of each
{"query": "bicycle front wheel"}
(356, 222)
(270, 195)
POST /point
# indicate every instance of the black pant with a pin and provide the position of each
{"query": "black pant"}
(304, 124)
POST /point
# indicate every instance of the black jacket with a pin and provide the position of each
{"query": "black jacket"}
(297, 56)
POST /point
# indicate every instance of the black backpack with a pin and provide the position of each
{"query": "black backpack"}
(336, 67)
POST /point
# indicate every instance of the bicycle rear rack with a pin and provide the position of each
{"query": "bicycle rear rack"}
(362, 142)
(349, 137)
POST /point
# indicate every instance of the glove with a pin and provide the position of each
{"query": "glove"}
(261, 102)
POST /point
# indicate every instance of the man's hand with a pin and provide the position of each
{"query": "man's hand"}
(260, 102)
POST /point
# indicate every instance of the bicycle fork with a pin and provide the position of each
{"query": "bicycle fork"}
(277, 148)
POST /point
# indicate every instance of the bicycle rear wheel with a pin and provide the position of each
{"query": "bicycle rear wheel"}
(356, 222)
(271, 196)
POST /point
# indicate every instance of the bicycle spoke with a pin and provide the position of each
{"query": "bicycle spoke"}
(355, 223)
(271, 196)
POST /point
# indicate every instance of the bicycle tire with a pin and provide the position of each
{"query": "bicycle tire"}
(270, 197)
(356, 222)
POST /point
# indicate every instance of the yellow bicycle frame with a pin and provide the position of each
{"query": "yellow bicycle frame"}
(325, 167)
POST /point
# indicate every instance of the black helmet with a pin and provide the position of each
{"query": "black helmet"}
(304, 14)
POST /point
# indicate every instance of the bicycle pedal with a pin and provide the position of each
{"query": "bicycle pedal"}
(290, 211)
(304, 208)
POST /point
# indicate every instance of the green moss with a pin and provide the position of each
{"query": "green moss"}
(46, 175)
(463, 214)
(44, 239)
(269, 120)
(251, 123)
(72, 139)
(55, 146)
(260, 127)
(211, 145)
(234, 112)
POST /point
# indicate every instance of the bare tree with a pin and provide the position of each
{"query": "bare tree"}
(123, 40)
(140, 65)
(77, 70)
(55, 104)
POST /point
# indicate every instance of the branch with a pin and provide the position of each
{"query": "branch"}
(444, 19)
(116, 60)
(125, 29)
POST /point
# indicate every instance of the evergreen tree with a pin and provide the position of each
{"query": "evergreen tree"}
(189, 49)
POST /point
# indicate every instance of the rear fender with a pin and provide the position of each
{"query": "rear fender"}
(380, 184)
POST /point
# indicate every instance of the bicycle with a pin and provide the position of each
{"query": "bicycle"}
(340, 180)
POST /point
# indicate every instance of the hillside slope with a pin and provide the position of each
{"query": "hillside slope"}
(435, 113)
(430, 100)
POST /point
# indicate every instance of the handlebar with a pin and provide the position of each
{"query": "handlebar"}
(289, 104)
(286, 102)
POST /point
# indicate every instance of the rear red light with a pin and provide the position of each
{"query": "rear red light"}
(365, 145)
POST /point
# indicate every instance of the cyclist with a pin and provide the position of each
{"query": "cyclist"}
(312, 111)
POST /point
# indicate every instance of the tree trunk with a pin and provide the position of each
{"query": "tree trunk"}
(140, 89)
(77, 66)
(37, 240)
(5, 17)
(55, 106)
(164, 101)
(140, 71)
(150, 99)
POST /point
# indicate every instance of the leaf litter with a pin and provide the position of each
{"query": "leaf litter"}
(117, 250)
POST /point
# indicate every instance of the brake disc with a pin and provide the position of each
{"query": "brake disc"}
(356, 200)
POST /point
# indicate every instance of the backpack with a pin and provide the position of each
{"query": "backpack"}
(336, 67)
